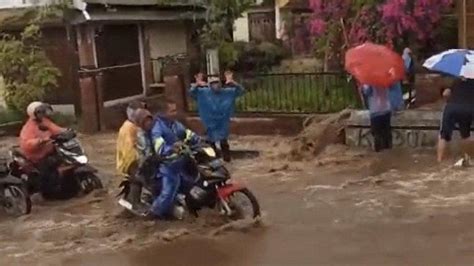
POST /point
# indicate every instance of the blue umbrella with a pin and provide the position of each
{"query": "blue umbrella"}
(454, 62)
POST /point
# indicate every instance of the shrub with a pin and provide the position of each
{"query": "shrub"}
(27, 72)
(250, 57)
(228, 54)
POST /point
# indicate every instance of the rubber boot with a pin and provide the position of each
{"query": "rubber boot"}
(225, 150)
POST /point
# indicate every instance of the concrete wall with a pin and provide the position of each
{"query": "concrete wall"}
(167, 38)
(241, 28)
(412, 129)
(286, 125)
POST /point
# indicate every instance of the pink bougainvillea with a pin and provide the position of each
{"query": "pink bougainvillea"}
(376, 20)
(417, 18)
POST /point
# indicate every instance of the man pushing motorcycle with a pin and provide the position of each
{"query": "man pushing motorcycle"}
(167, 137)
(36, 144)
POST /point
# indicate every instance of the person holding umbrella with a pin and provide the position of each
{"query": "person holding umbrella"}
(459, 108)
(380, 70)
(378, 102)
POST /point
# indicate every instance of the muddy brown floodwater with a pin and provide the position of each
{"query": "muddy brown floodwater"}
(344, 208)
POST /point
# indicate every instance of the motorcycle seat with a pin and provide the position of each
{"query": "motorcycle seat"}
(16, 152)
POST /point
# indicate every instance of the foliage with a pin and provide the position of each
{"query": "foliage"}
(417, 19)
(27, 72)
(229, 54)
(339, 24)
(250, 57)
(7, 116)
(220, 20)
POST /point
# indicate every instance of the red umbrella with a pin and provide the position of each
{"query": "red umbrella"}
(375, 65)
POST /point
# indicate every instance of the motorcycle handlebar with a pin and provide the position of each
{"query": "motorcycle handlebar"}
(64, 136)
(185, 150)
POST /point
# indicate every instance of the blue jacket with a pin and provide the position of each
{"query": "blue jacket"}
(395, 95)
(216, 108)
(166, 133)
(377, 100)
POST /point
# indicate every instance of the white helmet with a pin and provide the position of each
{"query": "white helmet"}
(36, 108)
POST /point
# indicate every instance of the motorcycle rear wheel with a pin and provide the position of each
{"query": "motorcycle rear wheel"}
(238, 206)
(17, 202)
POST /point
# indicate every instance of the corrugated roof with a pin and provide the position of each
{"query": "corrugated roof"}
(165, 3)
(136, 15)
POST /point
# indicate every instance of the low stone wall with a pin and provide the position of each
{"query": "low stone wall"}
(270, 125)
(11, 128)
(411, 128)
(414, 129)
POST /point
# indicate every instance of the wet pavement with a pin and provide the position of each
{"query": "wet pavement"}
(344, 208)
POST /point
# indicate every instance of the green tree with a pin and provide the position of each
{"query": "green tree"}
(220, 20)
(27, 72)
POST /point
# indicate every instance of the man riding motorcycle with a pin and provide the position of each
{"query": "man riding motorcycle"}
(167, 136)
(36, 144)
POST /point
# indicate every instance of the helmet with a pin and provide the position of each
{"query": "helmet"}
(38, 110)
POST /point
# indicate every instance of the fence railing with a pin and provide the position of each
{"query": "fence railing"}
(295, 93)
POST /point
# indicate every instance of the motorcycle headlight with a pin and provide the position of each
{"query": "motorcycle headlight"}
(209, 152)
(82, 159)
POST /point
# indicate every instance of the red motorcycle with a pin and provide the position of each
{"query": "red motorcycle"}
(211, 188)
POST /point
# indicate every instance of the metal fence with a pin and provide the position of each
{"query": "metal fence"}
(295, 93)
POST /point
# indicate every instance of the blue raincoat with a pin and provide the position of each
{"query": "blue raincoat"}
(216, 108)
(377, 100)
(395, 95)
(165, 134)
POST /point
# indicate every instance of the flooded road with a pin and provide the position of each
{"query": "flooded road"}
(343, 208)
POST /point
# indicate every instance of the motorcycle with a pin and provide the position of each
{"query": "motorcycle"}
(75, 175)
(14, 198)
(211, 188)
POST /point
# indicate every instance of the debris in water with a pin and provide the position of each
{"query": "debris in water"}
(278, 169)
(317, 135)
(172, 234)
(237, 226)
(371, 180)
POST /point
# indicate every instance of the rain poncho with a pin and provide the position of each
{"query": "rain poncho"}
(31, 139)
(377, 100)
(216, 108)
(165, 134)
(132, 144)
(395, 95)
(127, 154)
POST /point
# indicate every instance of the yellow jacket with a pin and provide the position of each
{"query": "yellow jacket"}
(127, 153)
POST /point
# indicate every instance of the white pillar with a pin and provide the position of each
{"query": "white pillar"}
(277, 20)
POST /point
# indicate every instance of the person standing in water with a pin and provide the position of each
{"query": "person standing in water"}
(216, 105)
(459, 111)
(378, 102)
